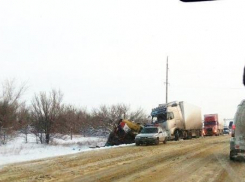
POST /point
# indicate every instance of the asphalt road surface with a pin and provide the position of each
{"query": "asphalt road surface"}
(203, 159)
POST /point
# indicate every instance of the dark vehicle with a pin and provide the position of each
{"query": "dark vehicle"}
(237, 141)
(226, 131)
(230, 126)
(151, 135)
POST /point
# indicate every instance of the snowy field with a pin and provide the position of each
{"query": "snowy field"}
(17, 150)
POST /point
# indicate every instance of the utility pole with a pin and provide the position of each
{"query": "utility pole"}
(167, 81)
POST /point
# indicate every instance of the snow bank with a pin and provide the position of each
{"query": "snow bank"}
(17, 150)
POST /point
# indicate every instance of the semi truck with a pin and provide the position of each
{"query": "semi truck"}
(180, 119)
(213, 125)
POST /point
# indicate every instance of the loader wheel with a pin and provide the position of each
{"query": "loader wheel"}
(176, 135)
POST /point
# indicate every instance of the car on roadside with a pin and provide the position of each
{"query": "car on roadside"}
(226, 131)
(237, 141)
(151, 134)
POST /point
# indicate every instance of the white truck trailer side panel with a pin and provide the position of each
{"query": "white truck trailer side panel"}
(221, 122)
(192, 116)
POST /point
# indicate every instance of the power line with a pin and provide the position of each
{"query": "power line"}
(227, 88)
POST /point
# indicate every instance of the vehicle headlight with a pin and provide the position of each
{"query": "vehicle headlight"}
(154, 136)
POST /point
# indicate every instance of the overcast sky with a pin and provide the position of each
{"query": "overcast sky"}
(114, 51)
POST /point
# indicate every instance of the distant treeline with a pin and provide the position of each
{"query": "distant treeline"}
(47, 115)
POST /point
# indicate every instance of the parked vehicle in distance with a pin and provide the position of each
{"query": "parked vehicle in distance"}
(226, 131)
(212, 125)
(237, 141)
(179, 119)
(230, 126)
(151, 134)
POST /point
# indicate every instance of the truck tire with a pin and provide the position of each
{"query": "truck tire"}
(165, 141)
(176, 135)
(137, 143)
(197, 134)
(157, 141)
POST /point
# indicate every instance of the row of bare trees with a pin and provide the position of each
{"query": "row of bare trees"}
(47, 115)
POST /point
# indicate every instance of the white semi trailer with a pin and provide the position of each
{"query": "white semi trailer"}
(179, 119)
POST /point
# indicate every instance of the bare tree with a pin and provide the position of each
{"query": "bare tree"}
(108, 116)
(68, 121)
(119, 111)
(139, 116)
(10, 102)
(84, 120)
(46, 109)
(24, 121)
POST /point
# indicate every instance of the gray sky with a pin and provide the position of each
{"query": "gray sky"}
(114, 51)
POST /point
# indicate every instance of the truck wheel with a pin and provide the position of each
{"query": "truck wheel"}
(137, 143)
(198, 134)
(157, 141)
(176, 135)
(165, 141)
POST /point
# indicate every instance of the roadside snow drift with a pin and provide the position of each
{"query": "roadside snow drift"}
(17, 150)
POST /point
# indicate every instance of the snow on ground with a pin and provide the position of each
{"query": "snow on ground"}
(17, 150)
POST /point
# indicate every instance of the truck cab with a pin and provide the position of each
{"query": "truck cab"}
(212, 125)
(179, 119)
(168, 116)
